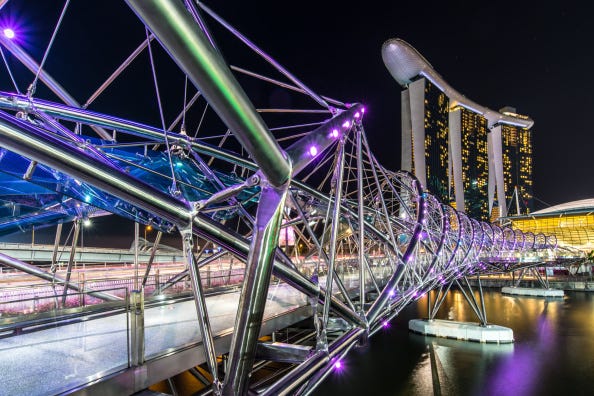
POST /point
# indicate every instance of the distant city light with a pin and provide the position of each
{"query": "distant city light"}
(313, 151)
(9, 33)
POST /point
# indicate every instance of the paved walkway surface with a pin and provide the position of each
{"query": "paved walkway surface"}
(54, 360)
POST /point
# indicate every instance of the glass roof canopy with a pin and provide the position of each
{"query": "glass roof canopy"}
(46, 197)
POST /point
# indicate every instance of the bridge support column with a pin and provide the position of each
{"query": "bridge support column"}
(544, 291)
(440, 295)
(477, 332)
(136, 328)
(337, 187)
(56, 247)
(150, 261)
(255, 289)
(71, 259)
(469, 296)
(202, 312)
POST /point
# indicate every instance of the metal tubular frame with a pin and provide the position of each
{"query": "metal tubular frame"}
(382, 222)
(179, 34)
(269, 59)
(149, 264)
(255, 289)
(201, 310)
(361, 224)
(52, 84)
(71, 257)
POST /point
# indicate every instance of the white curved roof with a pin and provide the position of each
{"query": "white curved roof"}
(583, 205)
(404, 63)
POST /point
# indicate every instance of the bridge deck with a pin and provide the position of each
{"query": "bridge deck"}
(63, 358)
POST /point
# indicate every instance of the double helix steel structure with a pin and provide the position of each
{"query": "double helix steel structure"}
(245, 159)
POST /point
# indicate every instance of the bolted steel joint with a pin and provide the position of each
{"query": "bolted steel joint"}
(253, 180)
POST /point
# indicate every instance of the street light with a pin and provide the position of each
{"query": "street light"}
(148, 228)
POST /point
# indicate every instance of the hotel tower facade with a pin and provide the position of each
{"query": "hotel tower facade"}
(478, 159)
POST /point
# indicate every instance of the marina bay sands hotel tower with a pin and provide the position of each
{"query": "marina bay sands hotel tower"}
(478, 159)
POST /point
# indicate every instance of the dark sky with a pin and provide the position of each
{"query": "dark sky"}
(535, 57)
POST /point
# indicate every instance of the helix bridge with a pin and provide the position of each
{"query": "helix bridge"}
(176, 135)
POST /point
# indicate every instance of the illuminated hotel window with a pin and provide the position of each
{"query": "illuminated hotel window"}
(436, 141)
(517, 164)
(516, 158)
(475, 174)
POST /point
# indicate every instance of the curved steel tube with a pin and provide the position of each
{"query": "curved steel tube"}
(189, 47)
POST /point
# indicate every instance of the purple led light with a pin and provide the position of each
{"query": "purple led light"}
(385, 324)
(334, 133)
(338, 365)
(9, 33)
(392, 293)
(313, 151)
(363, 110)
(346, 124)
(357, 115)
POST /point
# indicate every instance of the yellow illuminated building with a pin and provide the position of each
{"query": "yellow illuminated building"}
(572, 223)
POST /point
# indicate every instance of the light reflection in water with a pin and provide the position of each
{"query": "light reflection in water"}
(553, 353)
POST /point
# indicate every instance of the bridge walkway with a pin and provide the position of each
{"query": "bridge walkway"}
(92, 355)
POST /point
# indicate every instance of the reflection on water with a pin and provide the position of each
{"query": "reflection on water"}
(553, 353)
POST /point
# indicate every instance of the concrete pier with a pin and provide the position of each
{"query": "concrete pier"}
(462, 331)
(535, 292)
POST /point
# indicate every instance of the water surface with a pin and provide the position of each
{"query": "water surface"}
(553, 352)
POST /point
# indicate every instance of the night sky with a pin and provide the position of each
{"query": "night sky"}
(537, 58)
